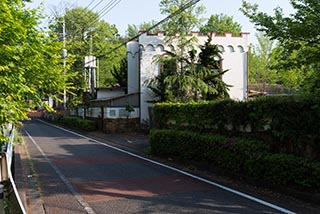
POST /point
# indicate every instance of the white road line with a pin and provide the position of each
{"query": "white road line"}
(129, 141)
(244, 195)
(16, 192)
(77, 195)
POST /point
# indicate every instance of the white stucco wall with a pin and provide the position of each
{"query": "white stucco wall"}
(234, 58)
(133, 56)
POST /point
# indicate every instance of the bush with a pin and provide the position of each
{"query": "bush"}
(284, 169)
(247, 157)
(291, 124)
(79, 123)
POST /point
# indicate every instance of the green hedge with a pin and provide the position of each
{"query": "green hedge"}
(78, 123)
(291, 122)
(251, 158)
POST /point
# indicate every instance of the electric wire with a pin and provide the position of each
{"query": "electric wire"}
(177, 12)
(106, 7)
(106, 12)
(97, 5)
(89, 4)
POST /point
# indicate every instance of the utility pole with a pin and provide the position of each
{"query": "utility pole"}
(64, 56)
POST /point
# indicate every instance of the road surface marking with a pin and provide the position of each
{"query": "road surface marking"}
(244, 195)
(85, 205)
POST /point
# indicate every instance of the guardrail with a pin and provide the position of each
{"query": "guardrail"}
(6, 178)
(6, 155)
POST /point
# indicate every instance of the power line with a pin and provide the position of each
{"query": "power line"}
(89, 4)
(109, 5)
(177, 12)
(97, 4)
(180, 10)
(107, 8)
(107, 11)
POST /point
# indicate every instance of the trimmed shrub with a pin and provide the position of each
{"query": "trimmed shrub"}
(79, 123)
(289, 170)
(247, 157)
(290, 124)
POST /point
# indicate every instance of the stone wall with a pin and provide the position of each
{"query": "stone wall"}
(121, 125)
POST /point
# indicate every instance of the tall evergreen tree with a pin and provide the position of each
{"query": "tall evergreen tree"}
(121, 73)
(179, 32)
(210, 66)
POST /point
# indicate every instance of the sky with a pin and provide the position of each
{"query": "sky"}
(139, 11)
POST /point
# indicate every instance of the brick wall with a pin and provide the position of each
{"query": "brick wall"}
(120, 125)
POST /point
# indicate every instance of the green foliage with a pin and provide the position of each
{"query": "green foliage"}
(87, 35)
(220, 24)
(261, 59)
(105, 39)
(134, 30)
(210, 72)
(235, 155)
(289, 124)
(79, 123)
(129, 108)
(282, 169)
(298, 39)
(30, 65)
(185, 76)
(179, 28)
(158, 87)
(196, 78)
(121, 74)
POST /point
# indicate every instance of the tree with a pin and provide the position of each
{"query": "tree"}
(179, 32)
(209, 65)
(185, 75)
(121, 73)
(261, 59)
(221, 24)
(87, 35)
(201, 79)
(159, 88)
(290, 76)
(298, 36)
(30, 63)
(107, 46)
(133, 30)
(179, 28)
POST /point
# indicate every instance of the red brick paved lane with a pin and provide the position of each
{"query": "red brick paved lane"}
(138, 187)
(94, 160)
(79, 175)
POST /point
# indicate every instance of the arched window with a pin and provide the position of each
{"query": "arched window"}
(231, 48)
(241, 49)
(160, 48)
(221, 48)
(150, 48)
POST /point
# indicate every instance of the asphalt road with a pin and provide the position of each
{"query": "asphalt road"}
(77, 175)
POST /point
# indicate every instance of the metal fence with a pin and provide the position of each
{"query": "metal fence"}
(8, 190)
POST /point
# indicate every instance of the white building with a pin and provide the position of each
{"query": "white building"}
(142, 67)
